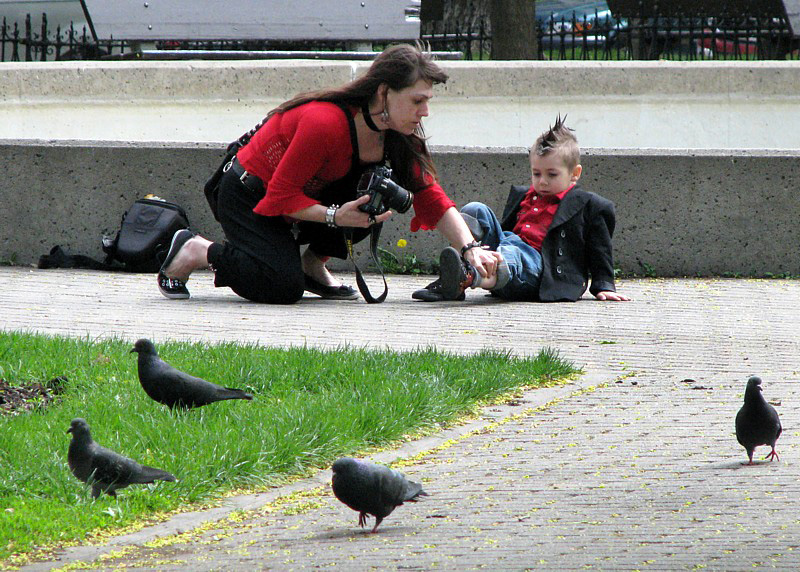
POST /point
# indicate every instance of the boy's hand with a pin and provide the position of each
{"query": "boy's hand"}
(611, 296)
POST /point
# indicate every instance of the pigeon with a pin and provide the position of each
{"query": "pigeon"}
(372, 489)
(757, 422)
(104, 469)
(174, 388)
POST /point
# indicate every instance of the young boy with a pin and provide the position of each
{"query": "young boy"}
(552, 236)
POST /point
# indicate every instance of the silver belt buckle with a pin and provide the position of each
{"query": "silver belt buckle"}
(228, 165)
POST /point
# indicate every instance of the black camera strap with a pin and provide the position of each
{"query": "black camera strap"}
(375, 232)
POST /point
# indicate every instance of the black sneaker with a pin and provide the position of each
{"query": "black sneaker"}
(433, 293)
(178, 240)
(455, 274)
(172, 288)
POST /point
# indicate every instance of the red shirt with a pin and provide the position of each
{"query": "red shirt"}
(535, 216)
(299, 152)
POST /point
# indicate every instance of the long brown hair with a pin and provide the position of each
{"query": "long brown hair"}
(398, 66)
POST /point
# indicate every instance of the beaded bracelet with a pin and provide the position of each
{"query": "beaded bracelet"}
(473, 244)
(330, 216)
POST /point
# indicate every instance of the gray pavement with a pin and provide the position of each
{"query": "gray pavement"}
(633, 466)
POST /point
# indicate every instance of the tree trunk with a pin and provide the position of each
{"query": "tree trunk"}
(513, 30)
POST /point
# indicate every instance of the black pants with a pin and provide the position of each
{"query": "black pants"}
(260, 259)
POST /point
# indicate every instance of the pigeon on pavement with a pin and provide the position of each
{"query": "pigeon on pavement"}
(105, 470)
(174, 388)
(757, 422)
(372, 489)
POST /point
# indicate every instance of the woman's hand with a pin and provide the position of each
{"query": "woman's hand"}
(349, 215)
(484, 261)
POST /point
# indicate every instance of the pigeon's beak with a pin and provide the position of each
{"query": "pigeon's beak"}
(69, 430)
(133, 351)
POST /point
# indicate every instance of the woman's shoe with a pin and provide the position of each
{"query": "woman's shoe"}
(342, 292)
(173, 288)
(178, 240)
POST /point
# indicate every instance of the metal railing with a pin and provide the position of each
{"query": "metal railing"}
(28, 43)
(600, 36)
(596, 36)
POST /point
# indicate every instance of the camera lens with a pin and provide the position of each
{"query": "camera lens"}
(396, 197)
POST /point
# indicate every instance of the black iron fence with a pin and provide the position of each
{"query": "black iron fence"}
(593, 36)
(601, 36)
(26, 42)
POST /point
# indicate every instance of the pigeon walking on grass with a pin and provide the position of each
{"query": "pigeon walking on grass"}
(174, 388)
(757, 422)
(372, 489)
(105, 470)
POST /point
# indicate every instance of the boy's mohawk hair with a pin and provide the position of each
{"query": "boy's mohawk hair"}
(550, 138)
(558, 137)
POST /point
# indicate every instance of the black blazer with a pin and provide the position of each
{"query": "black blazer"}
(578, 243)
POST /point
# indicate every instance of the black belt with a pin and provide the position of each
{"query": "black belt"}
(247, 179)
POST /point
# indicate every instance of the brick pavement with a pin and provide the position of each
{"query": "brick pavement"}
(632, 467)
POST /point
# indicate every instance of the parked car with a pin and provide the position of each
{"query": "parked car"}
(749, 38)
(564, 24)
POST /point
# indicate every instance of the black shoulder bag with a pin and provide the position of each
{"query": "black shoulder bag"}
(211, 188)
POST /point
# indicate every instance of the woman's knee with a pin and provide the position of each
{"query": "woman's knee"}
(270, 293)
(270, 287)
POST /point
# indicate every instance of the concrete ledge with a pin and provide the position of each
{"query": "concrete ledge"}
(715, 104)
(199, 80)
(682, 212)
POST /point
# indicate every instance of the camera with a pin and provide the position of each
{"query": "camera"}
(384, 193)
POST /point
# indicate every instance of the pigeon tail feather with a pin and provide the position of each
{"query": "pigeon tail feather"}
(151, 474)
(232, 393)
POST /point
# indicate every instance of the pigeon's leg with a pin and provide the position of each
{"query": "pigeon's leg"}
(96, 490)
(772, 455)
(378, 520)
(362, 519)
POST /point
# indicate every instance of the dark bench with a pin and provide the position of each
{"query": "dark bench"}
(356, 23)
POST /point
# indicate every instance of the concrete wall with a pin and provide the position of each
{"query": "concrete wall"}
(667, 105)
(680, 212)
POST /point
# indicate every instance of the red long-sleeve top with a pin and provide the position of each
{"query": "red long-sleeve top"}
(299, 152)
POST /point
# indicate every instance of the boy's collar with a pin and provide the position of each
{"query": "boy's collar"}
(558, 196)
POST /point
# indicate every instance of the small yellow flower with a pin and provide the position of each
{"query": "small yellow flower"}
(402, 243)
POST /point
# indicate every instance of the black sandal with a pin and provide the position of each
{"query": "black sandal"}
(342, 292)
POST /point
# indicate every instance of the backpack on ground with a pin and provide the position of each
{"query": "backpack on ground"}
(140, 245)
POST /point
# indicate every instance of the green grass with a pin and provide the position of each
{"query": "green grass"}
(310, 407)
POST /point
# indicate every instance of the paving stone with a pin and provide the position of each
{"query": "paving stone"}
(634, 466)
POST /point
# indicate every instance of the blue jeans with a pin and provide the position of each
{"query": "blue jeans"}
(524, 261)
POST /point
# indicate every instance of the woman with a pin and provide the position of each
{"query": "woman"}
(308, 157)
